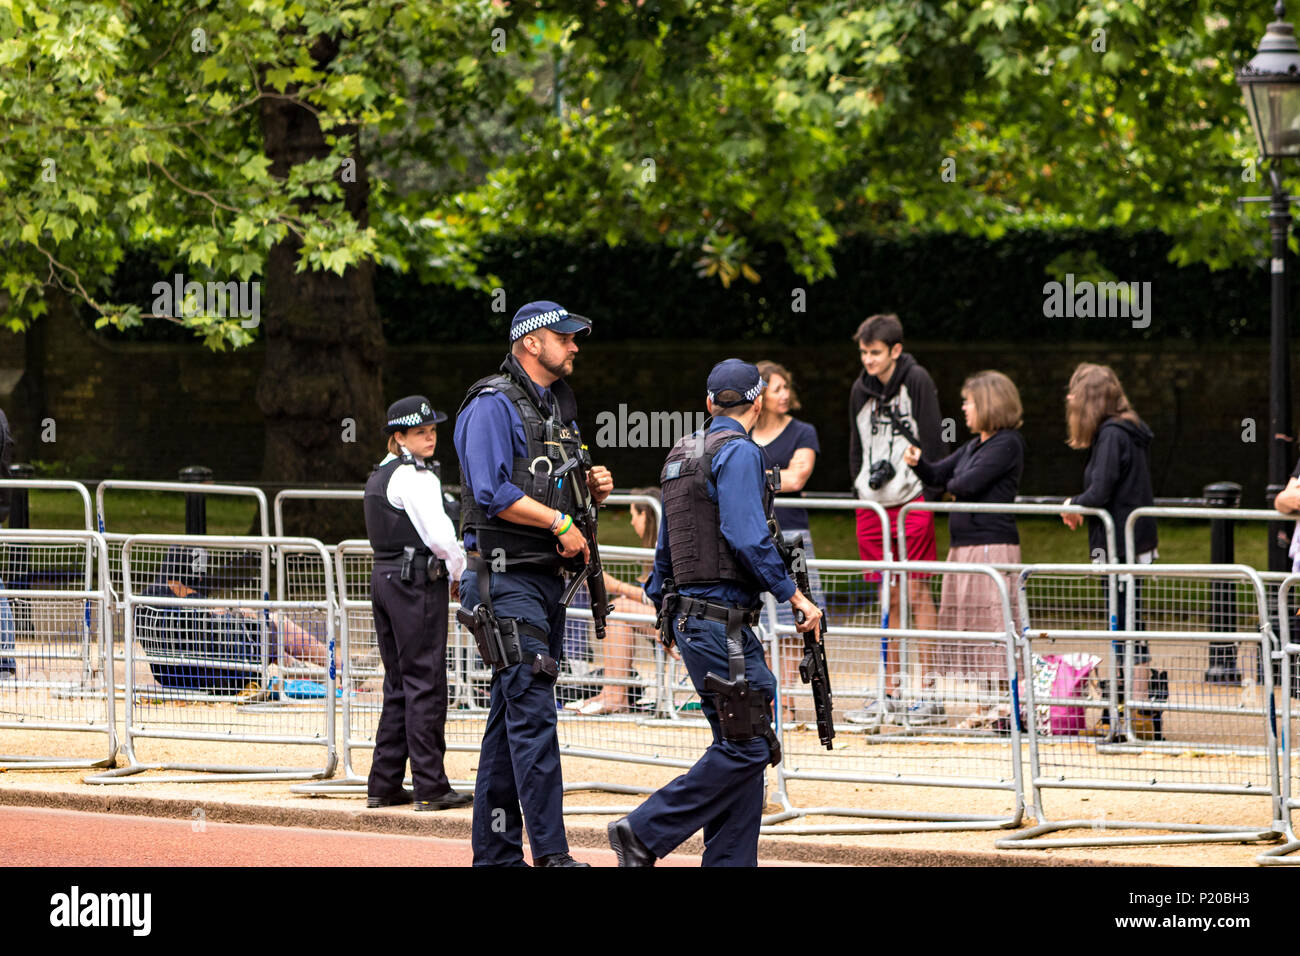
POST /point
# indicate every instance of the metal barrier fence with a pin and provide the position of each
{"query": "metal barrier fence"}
(55, 649)
(639, 707)
(49, 484)
(310, 494)
(1281, 855)
(210, 658)
(1130, 710)
(948, 727)
(970, 507)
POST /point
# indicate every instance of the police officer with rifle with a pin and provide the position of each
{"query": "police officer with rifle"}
(528, 513)
(714, 559)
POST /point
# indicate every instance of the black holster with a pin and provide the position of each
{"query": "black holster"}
(743, 711)
(497, 638)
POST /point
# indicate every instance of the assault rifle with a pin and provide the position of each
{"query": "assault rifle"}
(812, 669)
(586, 520)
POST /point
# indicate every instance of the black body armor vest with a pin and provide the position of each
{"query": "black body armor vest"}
(700, 554)
(389, 529)
(550, 443)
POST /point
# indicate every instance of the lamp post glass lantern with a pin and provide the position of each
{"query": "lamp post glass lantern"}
(1270, 86)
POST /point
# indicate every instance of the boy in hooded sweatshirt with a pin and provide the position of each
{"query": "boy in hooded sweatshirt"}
(893, 404)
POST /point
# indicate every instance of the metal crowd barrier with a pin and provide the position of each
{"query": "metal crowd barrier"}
(657, 726)
(44, 484)
(1112, 709)
(957, 693)
(56, 670)
(116, 538)
(228, 667)
(1290, 771)
(971, 507)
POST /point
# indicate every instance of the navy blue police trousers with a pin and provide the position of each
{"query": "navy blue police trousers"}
(519, 764)
(723, 792)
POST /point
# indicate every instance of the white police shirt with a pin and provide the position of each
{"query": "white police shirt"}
(419, 494)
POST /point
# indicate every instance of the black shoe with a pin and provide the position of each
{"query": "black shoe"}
(627, 847)
(389, 800)
(451, 800)
(558, 859)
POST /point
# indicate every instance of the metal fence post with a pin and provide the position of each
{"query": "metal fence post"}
(196, 508)
(1223, 593)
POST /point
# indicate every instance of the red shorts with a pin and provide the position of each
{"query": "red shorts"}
(918, 525)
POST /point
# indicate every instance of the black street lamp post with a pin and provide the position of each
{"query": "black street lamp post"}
(1270, 85)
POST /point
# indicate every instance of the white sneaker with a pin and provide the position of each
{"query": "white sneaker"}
(924, 713)
(875, 712)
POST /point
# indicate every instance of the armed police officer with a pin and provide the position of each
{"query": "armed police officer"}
(524, 472)
(416, 556)
(714, 559)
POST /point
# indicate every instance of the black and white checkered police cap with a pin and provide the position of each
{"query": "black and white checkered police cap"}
(409, 412)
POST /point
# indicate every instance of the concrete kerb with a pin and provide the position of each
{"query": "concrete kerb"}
(456, 824)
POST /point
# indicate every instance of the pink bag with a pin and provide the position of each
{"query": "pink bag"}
(1061, 676)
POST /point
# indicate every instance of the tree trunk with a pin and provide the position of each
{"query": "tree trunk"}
(321, 387)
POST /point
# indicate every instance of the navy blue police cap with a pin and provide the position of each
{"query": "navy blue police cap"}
(544, 314)
(735, 376)
(187, 566)
(409, 412)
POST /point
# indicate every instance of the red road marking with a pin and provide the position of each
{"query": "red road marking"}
(31, 836)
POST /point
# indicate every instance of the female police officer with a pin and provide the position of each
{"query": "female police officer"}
(416, 554)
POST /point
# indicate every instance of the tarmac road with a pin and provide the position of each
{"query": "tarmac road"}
(31, 836)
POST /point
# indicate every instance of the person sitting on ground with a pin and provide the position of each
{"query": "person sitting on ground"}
(621, 636)
(229, 635)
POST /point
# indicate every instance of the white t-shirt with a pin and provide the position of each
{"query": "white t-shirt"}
(419, 494)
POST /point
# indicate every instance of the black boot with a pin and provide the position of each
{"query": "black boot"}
(627, 846)
(558, 859)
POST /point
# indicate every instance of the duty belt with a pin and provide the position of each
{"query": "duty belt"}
(721, 613)
(422, 564)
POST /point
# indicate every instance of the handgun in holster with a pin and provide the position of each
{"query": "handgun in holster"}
(497, 639)
(743, 711)
(667, 611)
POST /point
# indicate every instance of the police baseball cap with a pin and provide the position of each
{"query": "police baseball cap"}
(546, 315)
(409, 412)
(187, 566)
(733, 375)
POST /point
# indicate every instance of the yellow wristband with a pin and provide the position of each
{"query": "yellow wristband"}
(565, 525)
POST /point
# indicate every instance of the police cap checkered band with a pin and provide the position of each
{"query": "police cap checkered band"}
(549, 315)
(409, 412)
(733, 375)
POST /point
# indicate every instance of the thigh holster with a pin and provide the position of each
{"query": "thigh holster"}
(497, 638)
(743, 710)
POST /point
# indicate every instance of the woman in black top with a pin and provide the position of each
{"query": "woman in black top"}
(791, 445)
(986, 469)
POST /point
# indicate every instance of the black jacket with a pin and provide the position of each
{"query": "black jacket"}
(873, 437)
(986, 471)
(1118, 479)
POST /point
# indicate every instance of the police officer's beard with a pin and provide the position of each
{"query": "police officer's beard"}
(559, 369)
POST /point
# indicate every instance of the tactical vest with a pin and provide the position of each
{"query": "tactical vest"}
(389, 529)
(550, 443)
(694, 527)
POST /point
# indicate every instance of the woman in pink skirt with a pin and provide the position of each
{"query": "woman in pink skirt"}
(986, 469)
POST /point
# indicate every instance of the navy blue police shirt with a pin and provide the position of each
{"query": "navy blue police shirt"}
(738, 488)
(487, 462)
